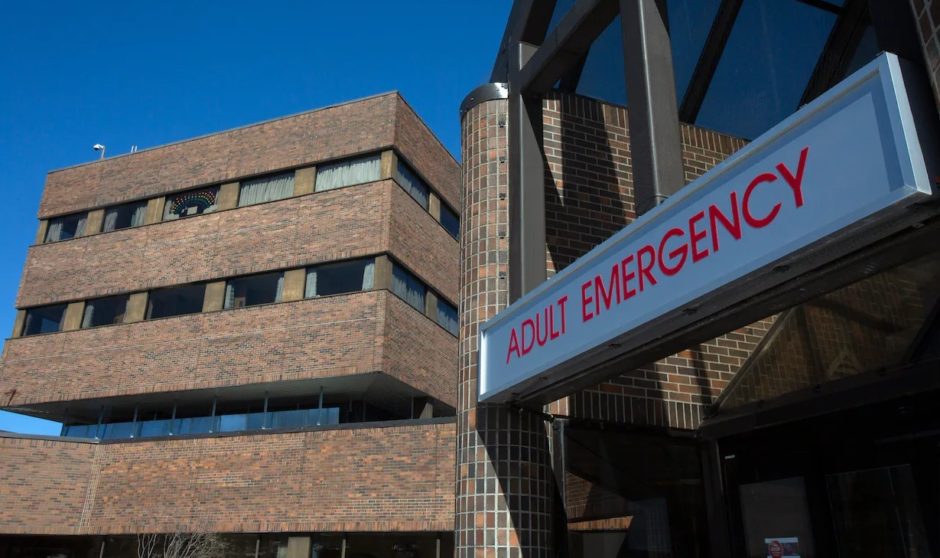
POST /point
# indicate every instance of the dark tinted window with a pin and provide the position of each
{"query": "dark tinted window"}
(64, 228)
(176, 301)
(408, 287)
(193, 202)
(338, 278)
(124, 216)
(447, 316)
(450, 220)
(256, 289)
(46, 319)
(104, 311)
(412, 184)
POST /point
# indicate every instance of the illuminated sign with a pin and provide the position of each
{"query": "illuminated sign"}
(820, 182)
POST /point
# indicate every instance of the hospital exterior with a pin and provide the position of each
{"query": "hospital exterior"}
(273, 333)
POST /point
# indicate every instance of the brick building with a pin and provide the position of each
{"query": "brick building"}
(227, 329)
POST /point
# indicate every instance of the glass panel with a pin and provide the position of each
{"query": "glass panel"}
(155, 428)
(408, 287)
(64, 228)
(252, 290)
(412, 184)
(241, 422)
(104, 311)
(80, 430)
(347, 173)
(776, 519)
(339, 278)
(124, 216)
(265, 189)
(118, 430)
(863, 327)
(689, 24)
(176, 301)
(193, 202)
(876, 514)
(602, 77)
(763, 71)
(46, 319)
(561, 8)
(193, 425)
(447, 316)
(451, 221)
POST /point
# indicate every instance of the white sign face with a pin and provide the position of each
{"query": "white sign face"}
(837, 168)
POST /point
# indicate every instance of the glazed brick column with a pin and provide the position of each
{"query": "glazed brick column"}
(504, 487)
(927, 14)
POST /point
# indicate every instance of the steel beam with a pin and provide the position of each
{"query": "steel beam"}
(840, 47)
(708, 59)
(528, 23)
(526, 183)
(655, 145)
(567, 44)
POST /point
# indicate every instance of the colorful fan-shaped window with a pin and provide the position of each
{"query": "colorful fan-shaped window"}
(193, 202)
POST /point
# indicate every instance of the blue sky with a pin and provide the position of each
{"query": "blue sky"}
(145, 74)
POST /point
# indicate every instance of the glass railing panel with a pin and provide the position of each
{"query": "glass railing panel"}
(154, 428)
(118, 430)
(193, 425)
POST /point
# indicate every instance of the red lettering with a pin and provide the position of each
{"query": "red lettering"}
(696, 236)
(527, 347)
(552, 332)
(513, 346)
(539, 338)
(795, 182)
(733, 227)
(682, 251)
(646, 270)
(626, 276)
(755, 222)
(561, 304)
(607, 294)
(585, 302)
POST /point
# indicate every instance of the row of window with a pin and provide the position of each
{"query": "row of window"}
(264, 288)
(217, 416)
(331, 176)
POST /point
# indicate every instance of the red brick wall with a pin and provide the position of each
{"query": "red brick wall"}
(44, 484)
(326, 337)
(589, 197)
(350, 222)
(421, 148)
(346, 480)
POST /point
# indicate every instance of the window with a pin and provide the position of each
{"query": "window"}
(347, 173)
(176, 301)
(265, 189)
(412, 184)
(64, 228)
(408, 287)
(447, 316)
(46, 319)
(104, 311)
(338, 278)
(451, 221)
(193, 202)
(256, 289)
(124, 216)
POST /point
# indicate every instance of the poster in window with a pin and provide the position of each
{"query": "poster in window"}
(783, 547)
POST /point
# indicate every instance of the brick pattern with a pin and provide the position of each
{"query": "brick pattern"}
(345, 480)
(45, 485)
(504, 498)
(589, 197)
(316, 338)
(927, 14)
(334, 132)
(349, 222)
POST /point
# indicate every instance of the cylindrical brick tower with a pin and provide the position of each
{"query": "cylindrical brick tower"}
(504, 487)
